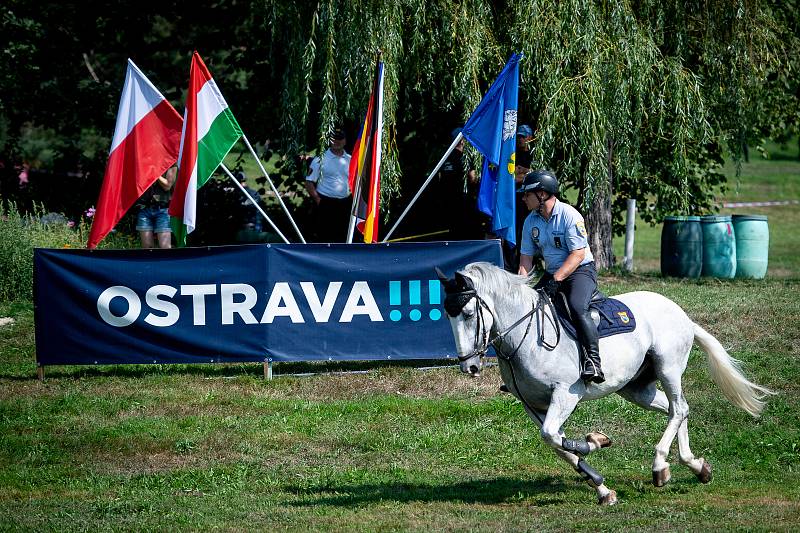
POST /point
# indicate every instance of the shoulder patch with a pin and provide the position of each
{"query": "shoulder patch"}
(581, 227)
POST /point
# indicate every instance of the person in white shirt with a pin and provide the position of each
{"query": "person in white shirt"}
(327, 185)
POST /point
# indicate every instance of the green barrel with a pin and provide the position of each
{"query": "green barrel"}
(752, 245)
(719, 246)
(681, 247)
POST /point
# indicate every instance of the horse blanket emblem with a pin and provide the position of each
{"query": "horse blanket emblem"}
(615, 318)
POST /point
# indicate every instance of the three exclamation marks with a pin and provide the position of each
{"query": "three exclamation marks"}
(415, 298)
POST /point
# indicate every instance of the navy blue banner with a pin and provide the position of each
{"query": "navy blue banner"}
(293, 302)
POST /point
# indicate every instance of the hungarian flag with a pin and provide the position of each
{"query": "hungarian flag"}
(365, 164)
(209, 133)
(145, 144)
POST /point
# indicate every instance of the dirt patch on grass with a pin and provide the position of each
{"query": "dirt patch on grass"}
(445, 382)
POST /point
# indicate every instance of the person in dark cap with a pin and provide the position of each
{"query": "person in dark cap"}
(522, 157)
(522, 166)
(328, 187)
(456, 195)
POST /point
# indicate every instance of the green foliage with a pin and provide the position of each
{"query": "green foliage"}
(24, 232)
(627, 99)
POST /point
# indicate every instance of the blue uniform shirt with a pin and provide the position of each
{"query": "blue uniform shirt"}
(554, 239)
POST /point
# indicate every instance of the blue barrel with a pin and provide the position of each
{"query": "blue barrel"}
(681, 247)
(719, 246)
(752, 245)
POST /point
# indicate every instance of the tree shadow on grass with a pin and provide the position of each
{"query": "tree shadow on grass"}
(484, 491)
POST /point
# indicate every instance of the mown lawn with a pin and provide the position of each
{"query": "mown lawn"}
(188, 448)
(194, 448)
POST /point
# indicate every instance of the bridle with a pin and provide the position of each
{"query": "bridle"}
(455, 300)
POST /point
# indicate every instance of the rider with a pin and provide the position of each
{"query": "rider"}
(556, 231)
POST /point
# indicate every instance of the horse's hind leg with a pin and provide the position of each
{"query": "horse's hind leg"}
(649, 397)
(699, 466)
(678, 411)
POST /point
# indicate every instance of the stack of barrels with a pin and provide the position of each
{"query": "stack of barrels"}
(719, 246)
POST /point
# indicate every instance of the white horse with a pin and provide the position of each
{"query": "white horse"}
(489, 306)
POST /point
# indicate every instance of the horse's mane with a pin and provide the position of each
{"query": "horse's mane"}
(498, 281)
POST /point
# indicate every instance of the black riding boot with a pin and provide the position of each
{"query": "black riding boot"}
(590, 355)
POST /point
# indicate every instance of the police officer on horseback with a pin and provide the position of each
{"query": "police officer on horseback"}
(556, 231)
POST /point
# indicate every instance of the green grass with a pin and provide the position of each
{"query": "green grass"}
(192, 448)
(195, 448)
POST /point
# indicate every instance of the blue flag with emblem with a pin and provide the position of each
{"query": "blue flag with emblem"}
(492, 131)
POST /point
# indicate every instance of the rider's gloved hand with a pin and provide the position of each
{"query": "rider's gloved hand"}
(551, 287)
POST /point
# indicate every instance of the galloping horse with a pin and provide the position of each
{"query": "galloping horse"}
(489, 306)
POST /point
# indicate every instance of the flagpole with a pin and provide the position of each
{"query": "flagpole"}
(277, 194)
(427, 181)
(354, 211)
(255, 203)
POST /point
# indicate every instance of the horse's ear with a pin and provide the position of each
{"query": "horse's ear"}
(441, 275)
(463, 281)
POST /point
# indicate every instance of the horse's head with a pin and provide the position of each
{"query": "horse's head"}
(470, 318)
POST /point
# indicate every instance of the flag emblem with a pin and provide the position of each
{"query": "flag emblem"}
(509, 124)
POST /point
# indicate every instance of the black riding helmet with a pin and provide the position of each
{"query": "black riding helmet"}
(540, 180)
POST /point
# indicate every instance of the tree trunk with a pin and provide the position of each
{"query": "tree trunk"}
(598, 219)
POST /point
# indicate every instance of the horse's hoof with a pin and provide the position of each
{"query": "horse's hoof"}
(661, 477)
(705, 473)
(601, 440)
(608, 499)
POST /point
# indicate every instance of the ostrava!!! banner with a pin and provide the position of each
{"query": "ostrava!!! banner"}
(294, 302)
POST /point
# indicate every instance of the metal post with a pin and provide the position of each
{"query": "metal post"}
(630, 227)
(255, 203)
(427, 181)
(277, 194)
(354, 211)
(268, 369)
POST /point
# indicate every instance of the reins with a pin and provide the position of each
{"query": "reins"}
(538, 309)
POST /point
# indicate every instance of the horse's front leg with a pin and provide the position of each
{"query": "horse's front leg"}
(562, 404)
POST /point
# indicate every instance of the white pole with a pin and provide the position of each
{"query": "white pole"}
(427, 181)
(255, 203)
(277, 194)
(630, 225)
(354, 211)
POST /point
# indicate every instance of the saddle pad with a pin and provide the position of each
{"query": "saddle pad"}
(615, 318)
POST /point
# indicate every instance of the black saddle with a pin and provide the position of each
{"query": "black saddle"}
(611, 316)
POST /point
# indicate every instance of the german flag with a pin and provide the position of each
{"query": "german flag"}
(364, 173)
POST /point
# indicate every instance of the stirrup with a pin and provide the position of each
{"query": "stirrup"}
(595, 375)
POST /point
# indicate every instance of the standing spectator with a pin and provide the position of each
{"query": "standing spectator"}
(252, 218)
(328, 186)
(458, 189)
(153, 216)
(522, 166)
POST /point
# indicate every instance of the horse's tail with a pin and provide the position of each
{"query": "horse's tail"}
(727, 373)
